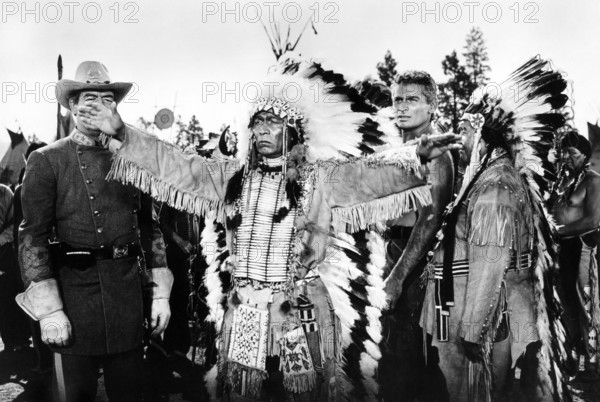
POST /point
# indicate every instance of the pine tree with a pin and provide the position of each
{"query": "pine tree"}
(387, 68)
(463, 78)
(476, 58)
(454, 94)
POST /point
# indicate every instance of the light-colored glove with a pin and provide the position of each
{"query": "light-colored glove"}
(40, 299)
(160, 282)
(56, 329)
(159, 316)
(42, 302)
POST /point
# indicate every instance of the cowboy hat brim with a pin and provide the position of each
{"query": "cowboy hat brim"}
(67, 88)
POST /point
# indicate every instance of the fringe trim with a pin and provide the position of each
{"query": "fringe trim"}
(332, 341)
(359, 217)
(129, 172)
(492, 224)
(481, 388)
(298, 383)
(248, 385)
(404, 156)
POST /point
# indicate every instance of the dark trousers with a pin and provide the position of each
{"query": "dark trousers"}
(14, 327)
(76, 376)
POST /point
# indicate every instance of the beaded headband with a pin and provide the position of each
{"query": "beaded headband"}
(280, 108)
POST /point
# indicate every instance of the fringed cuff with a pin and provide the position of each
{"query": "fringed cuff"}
(40, 299)
(403, 156)
(359, 217)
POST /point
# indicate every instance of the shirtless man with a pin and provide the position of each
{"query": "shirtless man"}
(578, 215)
(402, 368)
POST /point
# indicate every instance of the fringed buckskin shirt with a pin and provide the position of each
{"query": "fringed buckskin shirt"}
(492, 274)
(336, 196)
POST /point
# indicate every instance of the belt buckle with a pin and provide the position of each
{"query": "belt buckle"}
(120, 251)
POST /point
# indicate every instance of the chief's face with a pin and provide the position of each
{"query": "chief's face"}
(468, 138)
(467, 132)
(411, 107)
(87, 98)
(268, 132)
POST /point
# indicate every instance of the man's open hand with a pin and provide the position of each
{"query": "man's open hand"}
(433, 146)
(159, 316)
(98, 117)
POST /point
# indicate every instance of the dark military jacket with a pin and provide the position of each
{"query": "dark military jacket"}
(64, 189)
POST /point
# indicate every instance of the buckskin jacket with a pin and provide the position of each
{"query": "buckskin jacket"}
(65, 194)
(492, 275)
(336, 197)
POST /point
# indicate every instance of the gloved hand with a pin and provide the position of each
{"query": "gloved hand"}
(56, 329)
(159, 316)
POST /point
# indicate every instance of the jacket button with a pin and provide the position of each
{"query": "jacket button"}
(134, 227)
(83, 166)
(88, 181)
(135, 211)
(100, 230)
(92, 197)
(96, 213)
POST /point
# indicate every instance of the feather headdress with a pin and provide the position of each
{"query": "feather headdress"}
(336, 120)
(524, 111)
(521, 115)
(333, 118)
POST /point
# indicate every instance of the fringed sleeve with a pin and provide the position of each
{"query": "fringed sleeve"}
(380, 187)
(186, 182)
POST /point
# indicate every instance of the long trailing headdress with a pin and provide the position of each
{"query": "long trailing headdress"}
(334, 121)
(521, 116)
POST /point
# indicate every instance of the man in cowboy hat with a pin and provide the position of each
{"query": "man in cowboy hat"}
(86, 290)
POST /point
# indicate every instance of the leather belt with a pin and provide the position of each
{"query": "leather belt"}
(106, 253)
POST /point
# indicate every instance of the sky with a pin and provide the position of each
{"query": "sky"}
(198, 57)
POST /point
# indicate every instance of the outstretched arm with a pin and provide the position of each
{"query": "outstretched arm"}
(373, 190)
(384, 185)
(186, 182)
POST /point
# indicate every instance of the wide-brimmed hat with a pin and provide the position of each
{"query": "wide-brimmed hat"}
(90, 76)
